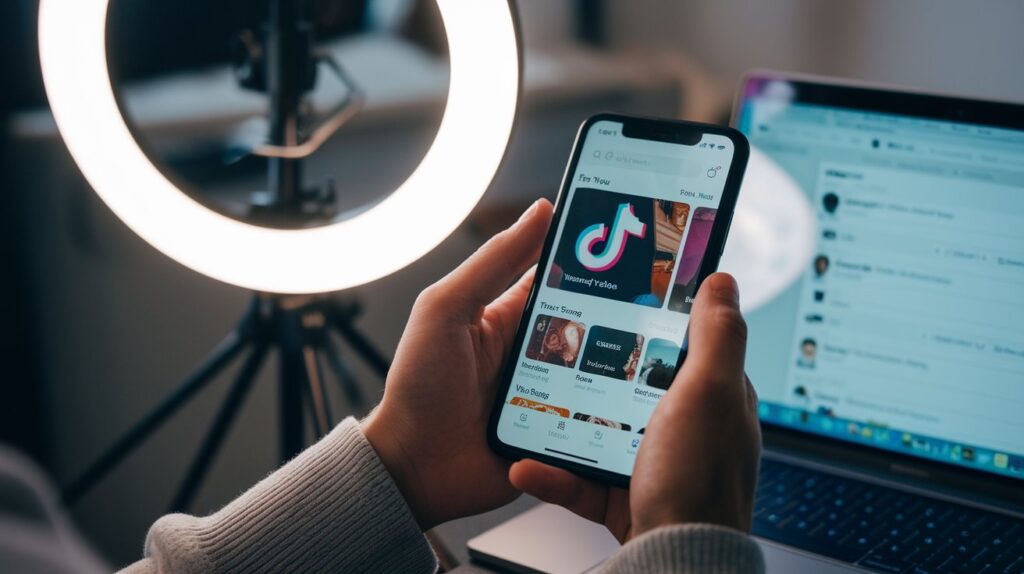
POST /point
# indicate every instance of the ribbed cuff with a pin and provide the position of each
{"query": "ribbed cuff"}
(689, 549)
(334, 508)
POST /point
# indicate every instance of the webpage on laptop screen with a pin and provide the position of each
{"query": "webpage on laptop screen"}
(906, 332)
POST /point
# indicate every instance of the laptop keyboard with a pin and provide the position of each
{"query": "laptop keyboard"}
(882, 529)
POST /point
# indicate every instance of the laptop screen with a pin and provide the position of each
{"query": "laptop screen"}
(904, 328)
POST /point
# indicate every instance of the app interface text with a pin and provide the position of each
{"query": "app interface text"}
(614, 301)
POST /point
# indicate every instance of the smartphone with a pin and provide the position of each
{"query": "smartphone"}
(641, 219)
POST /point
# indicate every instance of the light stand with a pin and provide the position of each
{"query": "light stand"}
(302, 332)
(276, 255)
(282, 64)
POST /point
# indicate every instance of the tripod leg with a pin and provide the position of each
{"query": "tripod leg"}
(219, 358)
(316, 392)
(218, 430)
(342, 322)
(291, 381)
(345, 378)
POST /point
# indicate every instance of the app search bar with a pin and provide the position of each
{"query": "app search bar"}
(643, 162)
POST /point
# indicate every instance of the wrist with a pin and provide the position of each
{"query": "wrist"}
(713, 514)
(400, 467)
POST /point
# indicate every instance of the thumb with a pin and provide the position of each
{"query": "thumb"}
(499, 262)
(557, 486)
(717, 336)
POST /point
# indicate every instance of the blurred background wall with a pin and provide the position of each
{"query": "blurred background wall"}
(98, 326)
(968, 48)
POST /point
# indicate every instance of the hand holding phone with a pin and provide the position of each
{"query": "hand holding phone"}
(698, 463)
(429, 429)
(641, 220)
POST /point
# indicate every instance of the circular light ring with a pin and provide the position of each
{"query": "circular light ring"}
(438, 195)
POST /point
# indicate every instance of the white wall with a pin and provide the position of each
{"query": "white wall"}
(545, 22)
(970, 48)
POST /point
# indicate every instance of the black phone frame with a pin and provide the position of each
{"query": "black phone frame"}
(664, 130)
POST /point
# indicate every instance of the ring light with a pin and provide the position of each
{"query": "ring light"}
(429, 205)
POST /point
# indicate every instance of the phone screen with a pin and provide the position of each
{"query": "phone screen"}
(603, 334)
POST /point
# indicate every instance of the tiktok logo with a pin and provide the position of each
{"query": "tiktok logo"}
(626, 223)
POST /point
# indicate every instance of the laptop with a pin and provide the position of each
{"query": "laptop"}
(891, 372)
(890, 361)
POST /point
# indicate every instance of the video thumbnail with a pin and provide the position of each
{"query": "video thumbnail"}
(612, 353)
(599, 421)
(659, 366)
(619, 246)
(685, 287)
(555, 340)
(540, 407)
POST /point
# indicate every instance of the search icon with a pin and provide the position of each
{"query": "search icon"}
(597, 154)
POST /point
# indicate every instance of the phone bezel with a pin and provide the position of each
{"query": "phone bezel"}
(671, 131)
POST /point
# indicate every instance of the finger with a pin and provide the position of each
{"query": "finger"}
(489, 271)
(583, 497)
(508, 309)
(718, 333)
(752, 400)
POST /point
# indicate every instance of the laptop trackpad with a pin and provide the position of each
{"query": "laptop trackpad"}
(546, 538)
(779, 558)
(552, 540)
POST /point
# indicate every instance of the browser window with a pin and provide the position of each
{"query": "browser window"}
(906, 331)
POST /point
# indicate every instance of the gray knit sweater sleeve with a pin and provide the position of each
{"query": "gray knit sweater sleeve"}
(688, 549)
(334, 508)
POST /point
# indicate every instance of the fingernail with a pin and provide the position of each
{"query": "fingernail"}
(529, 211)
(726, 288)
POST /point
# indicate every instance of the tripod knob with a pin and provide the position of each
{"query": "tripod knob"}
(321, 201)
(248, 61)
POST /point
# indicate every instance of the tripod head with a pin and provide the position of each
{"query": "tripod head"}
(280, 60)
(289, 21)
